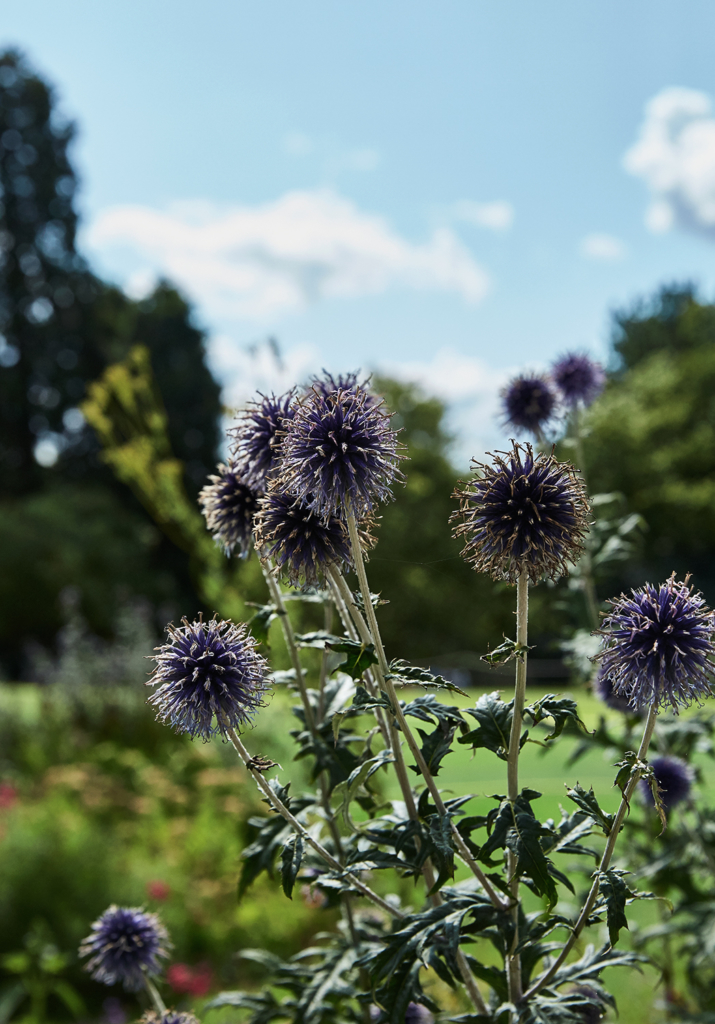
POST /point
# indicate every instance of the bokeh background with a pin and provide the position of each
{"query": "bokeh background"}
(203, 200)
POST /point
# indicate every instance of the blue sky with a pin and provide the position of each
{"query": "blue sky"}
(438, 190)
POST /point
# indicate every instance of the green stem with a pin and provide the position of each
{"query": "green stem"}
(513, 963)
(154, 995)
(586, 562)
(605, 859)
(279, 806)
(412, 743)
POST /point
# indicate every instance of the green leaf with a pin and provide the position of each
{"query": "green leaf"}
(505, 652)
(441, 848)
(494, 717)
(346, 791)
(560, 709)
(648, 777)
(615, 893)
(405, 674)
(362, 704)
(261, 620)
(588, 803)
(318, 639)
(359, 657)
(290, 863)
(70, 997)
(525, 841)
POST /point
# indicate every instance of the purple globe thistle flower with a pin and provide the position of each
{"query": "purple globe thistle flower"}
(603, 689)
(525, 513)
(209, 671)
(674, 778)
(339, 453)
(656, 645)
(529, 403)
(299, 543)
(168, 1017)
(229, 506)
(256, 436)
(578, 378)
(327, 384)
(125, 944)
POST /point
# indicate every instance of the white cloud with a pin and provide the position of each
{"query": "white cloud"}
(496, 216)
(256, 262)
(470, 388)
(602, 247)
(675, 155)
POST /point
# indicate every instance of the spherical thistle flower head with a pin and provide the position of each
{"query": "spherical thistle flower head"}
(578, 378)
(339, 453)
(300, 544)
(603, 689)
(256, 435)
(529, 402)
(674, 778)
(210, 678)
(415, 1013)
(229, 506)
(168, 1017)
(124, 944)
(656, 645)
(523, 513)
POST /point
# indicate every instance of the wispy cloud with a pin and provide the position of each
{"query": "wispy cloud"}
(675, 155)
(603, 247)
(495, 216)
(258, 262)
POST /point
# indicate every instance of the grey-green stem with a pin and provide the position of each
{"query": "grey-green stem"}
(154, 995)
(513, 963)
(281, 808)
(605, 859)
(586, 562)
(412, 743)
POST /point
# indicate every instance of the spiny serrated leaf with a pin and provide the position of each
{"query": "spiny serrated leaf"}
(651, 781)
(260, 622)
(346, 791)
(615, 893)
(441, 848)
(525, 841)
(589, 804)
(560, 709)
(411, 675)
(359, 657)
(494, 717)
(291, 858)
(505, 652)
(362, 703)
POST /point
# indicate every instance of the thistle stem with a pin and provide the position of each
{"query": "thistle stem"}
(305, 835)
(277, 598)
(154, 995)
(586, 562)
(459, 843)
(513, 963)
(605, 859)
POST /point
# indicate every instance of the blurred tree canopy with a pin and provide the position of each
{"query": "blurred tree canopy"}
(652, 433)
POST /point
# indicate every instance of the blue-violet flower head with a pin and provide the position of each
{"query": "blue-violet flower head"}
(229, 506)
(415, 1013)
(339, 454)
(529, 403)
(578, 378)
(256, 435)
(523, 513)
(603, 689)
(124, 944)
(300, 544)
(675, 780)
(657, 642)
(210, 678)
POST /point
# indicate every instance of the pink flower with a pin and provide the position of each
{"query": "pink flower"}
(194, 981)
(8, 795)
(158, 890)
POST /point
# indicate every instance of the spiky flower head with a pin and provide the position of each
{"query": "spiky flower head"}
(327, 383)
(339, 453)
(124, 944)
(256, 435)
(522, 513)
(656, 645)
(299, 543)
(229, 506)
(674, 778)
(210, 678)
(578, 378)
(603, 689)
(529, 403)
(415, 1013)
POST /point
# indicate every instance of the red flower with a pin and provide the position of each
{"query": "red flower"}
(158, 890)
(8, 795)
(194, 981)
